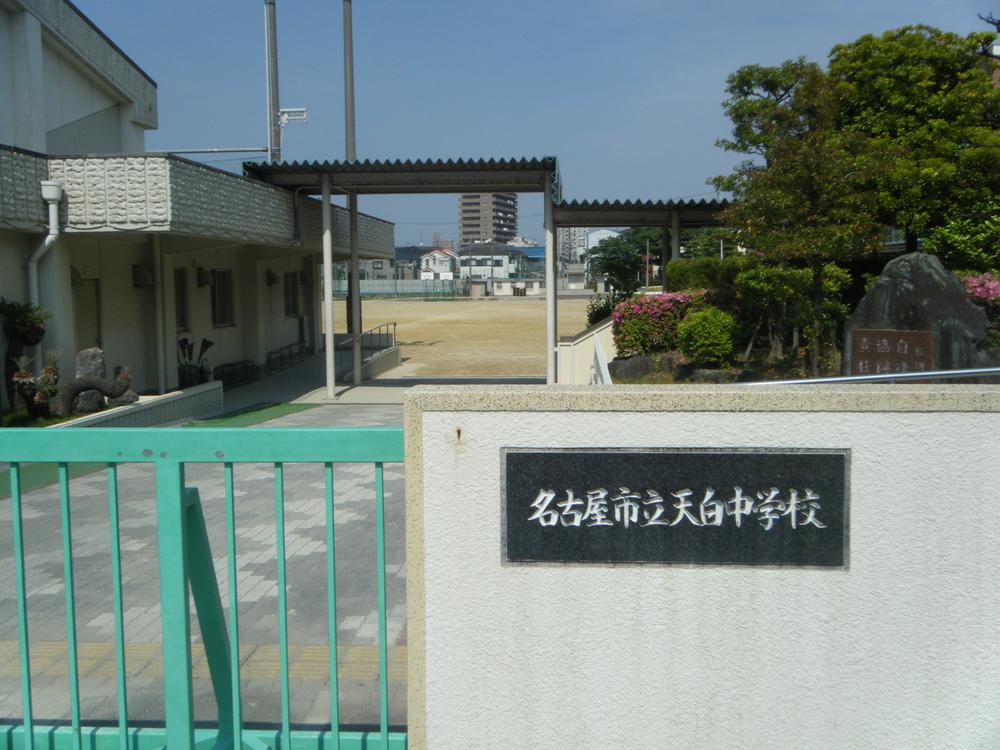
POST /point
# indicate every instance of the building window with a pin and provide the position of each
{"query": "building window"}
(181, 298)
(377, 265)
(291, 294)
(222, 297)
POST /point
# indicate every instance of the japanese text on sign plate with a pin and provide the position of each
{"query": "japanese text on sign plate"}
(599, 507)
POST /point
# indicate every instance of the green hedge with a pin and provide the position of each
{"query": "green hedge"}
(706, 336)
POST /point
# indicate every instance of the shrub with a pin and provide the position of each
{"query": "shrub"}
(706, 336)
(714, 274)
(984, 290)
(649, 323)
(601, 306)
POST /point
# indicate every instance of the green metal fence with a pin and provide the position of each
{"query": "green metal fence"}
(185, 564)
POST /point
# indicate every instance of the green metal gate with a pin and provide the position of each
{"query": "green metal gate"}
(185, 564)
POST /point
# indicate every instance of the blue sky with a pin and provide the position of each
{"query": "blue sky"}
(626, 93)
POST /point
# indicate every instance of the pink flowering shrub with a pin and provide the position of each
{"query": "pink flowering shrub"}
(648, 323)
(983, 289)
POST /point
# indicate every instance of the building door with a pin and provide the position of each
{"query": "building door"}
(87, 313)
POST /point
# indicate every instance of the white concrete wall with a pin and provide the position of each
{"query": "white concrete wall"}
(127, 313)
(21, 65)
(576, 356)
(6, 79)
(276, 330)
(72, 99)
(899, 650)
(260, 325)
(230, 341)
(64, 88)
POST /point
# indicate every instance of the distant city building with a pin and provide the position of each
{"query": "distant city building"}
(520, 241)
(487, 217)
(442, 243)
(572, 243)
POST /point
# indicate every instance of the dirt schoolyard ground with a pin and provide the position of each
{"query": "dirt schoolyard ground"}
(473, 337)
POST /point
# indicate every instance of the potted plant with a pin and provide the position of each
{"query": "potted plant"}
(189, 369)
(36, 391)
(24, 326)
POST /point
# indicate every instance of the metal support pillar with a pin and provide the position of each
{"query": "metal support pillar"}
(550, 287)
(675, 234)
(664, 257)
(356, 327)
(328, 285)
(350, 144)
(160, 323)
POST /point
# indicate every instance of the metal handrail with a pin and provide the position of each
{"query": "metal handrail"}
(385, 335)
(888, 377)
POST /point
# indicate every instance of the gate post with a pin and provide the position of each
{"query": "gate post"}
(174, 617)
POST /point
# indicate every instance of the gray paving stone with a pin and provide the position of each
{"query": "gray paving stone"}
(305, 543)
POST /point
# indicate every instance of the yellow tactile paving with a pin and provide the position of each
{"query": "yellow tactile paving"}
(310, 663)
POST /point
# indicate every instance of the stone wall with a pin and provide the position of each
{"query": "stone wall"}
(21, 204)
(169, 194)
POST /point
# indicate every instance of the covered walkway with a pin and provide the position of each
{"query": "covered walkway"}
(524, 175)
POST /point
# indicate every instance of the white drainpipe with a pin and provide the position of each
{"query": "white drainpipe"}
(52, 191)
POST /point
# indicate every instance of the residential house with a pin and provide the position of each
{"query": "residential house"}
(406, 261)
(490, 260)
(438, 264)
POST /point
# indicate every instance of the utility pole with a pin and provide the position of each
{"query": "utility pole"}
(352, 200)
(271, 60)
(647, 263)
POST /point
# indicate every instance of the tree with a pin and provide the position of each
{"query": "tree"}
(620, 258)
(704, 242)
(809, 202)
(925, 100)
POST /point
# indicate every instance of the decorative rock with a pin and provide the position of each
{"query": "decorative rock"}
(89, 362)
(667, 362)
(629, 369)
(713, 376)
(683, 371)
(129, 397)
(88, 401)
(916, 293)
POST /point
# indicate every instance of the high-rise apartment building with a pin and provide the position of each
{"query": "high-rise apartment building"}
(572, 243)
(487, 217)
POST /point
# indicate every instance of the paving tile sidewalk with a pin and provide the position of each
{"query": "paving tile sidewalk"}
(357, 617)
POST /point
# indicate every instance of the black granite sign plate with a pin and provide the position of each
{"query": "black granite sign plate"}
(693, 506)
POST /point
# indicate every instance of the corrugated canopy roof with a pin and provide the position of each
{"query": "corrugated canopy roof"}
(525, 175)
(638, 213)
